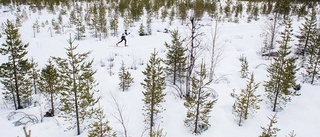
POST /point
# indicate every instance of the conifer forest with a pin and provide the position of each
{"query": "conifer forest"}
(159, 68)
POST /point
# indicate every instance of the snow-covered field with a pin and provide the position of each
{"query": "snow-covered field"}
(300, 115)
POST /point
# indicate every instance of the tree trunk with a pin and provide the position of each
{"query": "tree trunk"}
(76, 99)
(273, 30)
(16, 82)
(212, 64)
(197, 112)
(52, 104)
(174, 73)
(152, 105)
(240, 120)
(247, 107)
(191, 56)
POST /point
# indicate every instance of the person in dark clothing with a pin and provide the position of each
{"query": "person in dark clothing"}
(123, 38)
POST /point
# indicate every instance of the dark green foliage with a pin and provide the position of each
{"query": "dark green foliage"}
(198, 103)
(247, 101)
(102, 21)
(279, 88)
(154, 84)
(100, 127)
(309, 48)
(142, 30)
(125, 78)
(283, 7)
(78, 22)
(78, 84)
(307, 31)
(136, 9)
(182, 12)
(49, 84)
(239, 9)
(270, 130)
(176, 59)
(198, 9)
(312, 66)
(16, 72)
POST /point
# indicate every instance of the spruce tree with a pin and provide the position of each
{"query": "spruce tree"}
(291, 134)
(182, 12)
(100, 127)
(49, 84)
(125, 77)
(244, 67)
(198, 9)
(307, 30)
(16, 72)
(102, 20)
(94, 20)
(282, 72)
(35, 75)
(247, 100)
(80, 28)
(198, 103)
(270, 130)
(312, 66)
(171, 15)
(114, 23)
(78, 83)
(154, 84)
(176, 59)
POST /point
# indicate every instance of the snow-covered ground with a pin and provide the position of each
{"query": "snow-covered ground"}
(300, 115)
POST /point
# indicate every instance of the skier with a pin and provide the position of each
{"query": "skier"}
(123, 38)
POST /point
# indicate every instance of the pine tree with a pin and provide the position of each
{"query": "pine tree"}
(36, 28)
(291, 134)
(49, 84)
(171, 15)
(176, 59)
(136, 9)
(312, 69)
(80, 28)
(102, 20)
(307, 30)
(198, 103)
(244, 67)
(125, 77)
(114, 23)
(198, 9)
(283, 7)
(94, 20)
(247, 100)
(282, 72)
(78, 84)
(270, 130)
(149, 21)
(100, 127)
(34, 75)
(164, 14)
(141, 30)
(154, 84)
(182, 12)
(16, 72)
(158, 133)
